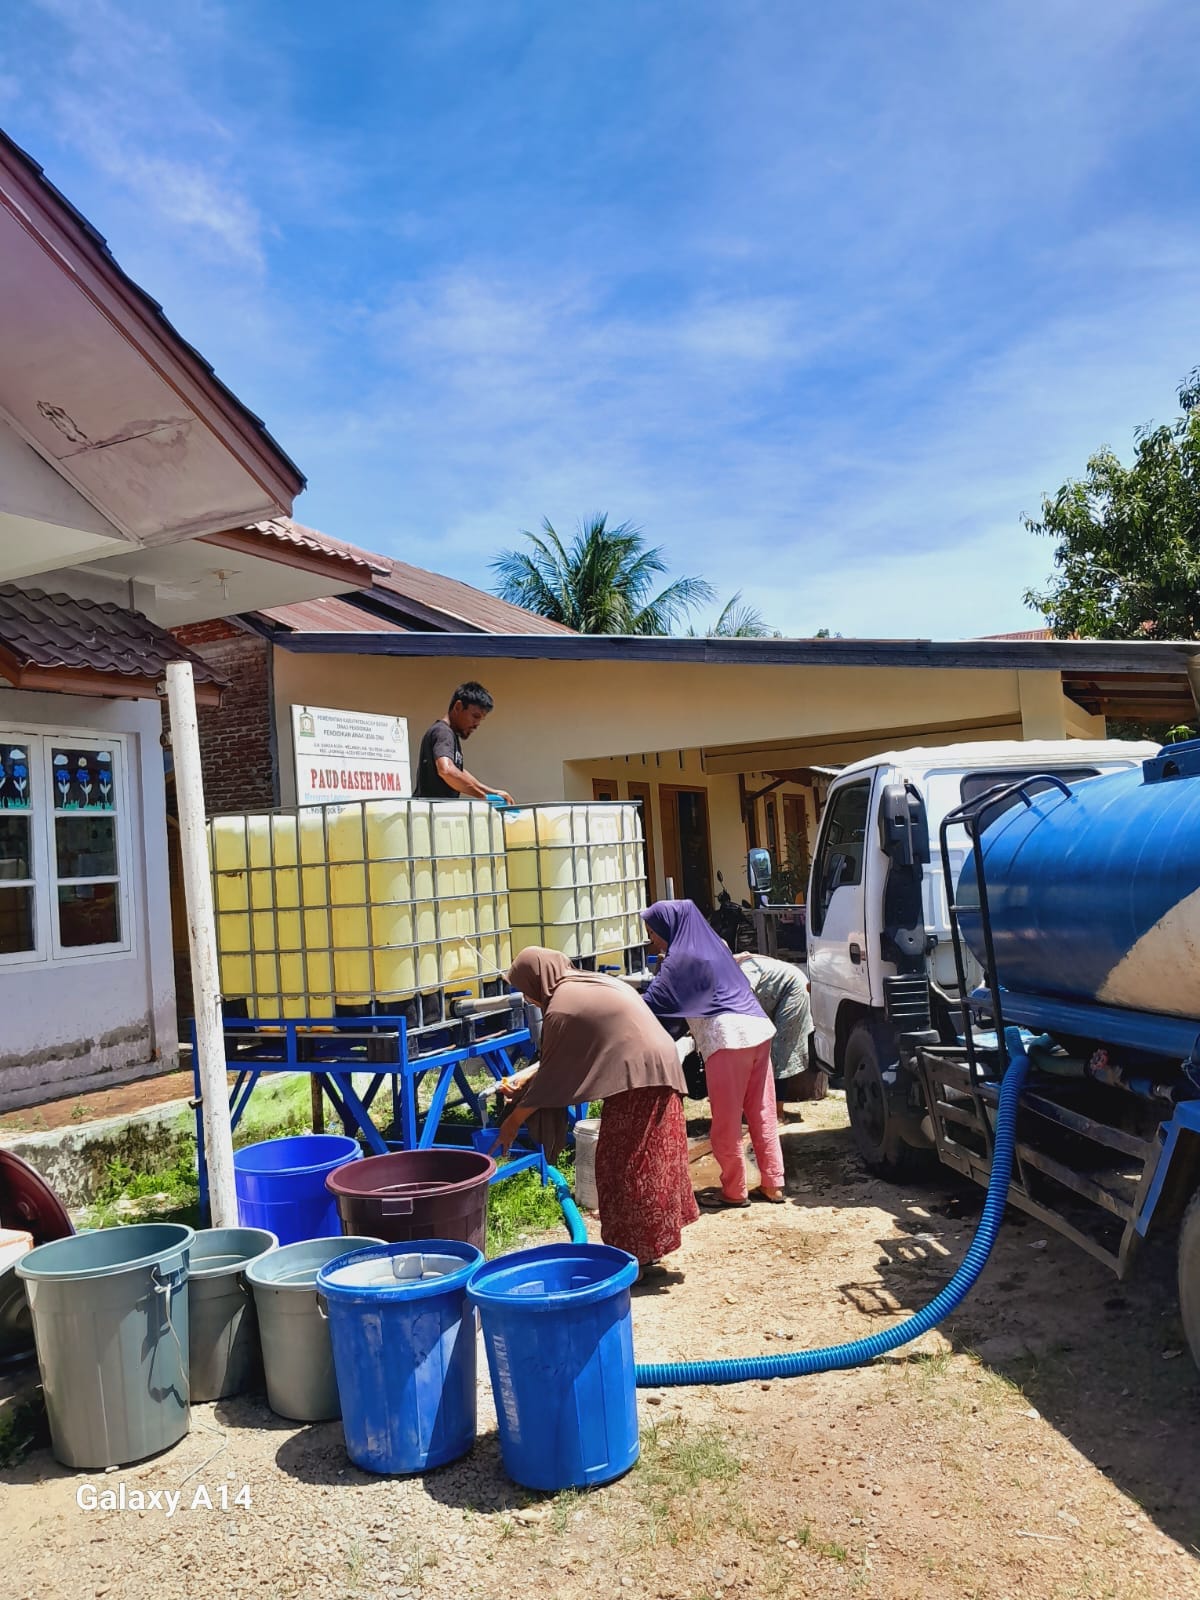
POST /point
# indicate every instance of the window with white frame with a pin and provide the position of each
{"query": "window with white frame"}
(63, 873)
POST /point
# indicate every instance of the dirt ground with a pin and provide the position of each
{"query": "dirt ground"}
(1045, 1448)
(121, 1101)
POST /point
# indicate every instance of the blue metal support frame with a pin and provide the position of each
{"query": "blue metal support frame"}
(1185, 1120)
(273, 1047)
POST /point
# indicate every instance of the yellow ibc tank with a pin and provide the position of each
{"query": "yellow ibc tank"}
(360, 904)
(576, 876)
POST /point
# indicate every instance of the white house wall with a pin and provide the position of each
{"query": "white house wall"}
(99, 1020)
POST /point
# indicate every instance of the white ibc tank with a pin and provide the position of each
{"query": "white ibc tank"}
(577, 877)
(360, 904)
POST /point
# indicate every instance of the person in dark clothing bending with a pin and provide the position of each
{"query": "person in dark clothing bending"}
(440, 771)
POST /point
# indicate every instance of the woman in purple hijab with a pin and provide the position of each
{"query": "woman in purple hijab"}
(701, 984)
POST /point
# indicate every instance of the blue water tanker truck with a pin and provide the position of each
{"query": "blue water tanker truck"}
(1075, 917)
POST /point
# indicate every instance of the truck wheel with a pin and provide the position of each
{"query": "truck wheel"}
(873, 1125)
(1189, 1275)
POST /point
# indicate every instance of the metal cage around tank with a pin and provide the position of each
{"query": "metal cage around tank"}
(577, 880)
(376, 905)
(372, 937)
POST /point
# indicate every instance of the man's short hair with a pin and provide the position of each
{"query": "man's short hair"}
(472, 694)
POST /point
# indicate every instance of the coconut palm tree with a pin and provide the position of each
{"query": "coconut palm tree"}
(602, 582)
(738, 620)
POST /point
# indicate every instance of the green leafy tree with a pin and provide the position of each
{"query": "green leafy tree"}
(602, 582)
(1127, 539)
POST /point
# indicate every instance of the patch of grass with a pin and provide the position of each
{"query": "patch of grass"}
(521, 1205)
(78, 1111)
(178, 1183)
(930, 1367)
(563, 1508)
(283, 1109)
(285, 1112)
(23, 1427)
(829, 1548)
(997, 1388)
(423, 1557)
(673, 1457)
(674, 1464)
(356, 1560)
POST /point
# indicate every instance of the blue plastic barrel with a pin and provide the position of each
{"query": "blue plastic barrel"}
(280, 1184)
(559, 1338)
(403, 1335)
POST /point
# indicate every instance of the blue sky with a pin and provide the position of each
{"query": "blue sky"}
(823, 298)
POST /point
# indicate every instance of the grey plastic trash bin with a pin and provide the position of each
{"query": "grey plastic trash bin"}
(297, 1353)
(223, 1349)
(110, 1321)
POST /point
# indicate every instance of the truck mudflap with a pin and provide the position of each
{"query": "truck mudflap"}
(1096, 1183)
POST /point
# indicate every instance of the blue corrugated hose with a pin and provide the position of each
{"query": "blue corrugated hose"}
(566, 1201)
(806, 1363)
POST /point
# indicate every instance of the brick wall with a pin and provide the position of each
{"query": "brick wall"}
(236, 743)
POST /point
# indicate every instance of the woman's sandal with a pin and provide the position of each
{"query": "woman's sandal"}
(718, 1200)
(652, 1271)
(773, 1197)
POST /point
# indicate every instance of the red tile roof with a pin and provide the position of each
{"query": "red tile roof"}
(289, 542)
(295, 533)
(40, 630)
(442, 604)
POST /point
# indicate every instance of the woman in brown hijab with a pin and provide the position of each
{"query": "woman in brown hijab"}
(601, 1042)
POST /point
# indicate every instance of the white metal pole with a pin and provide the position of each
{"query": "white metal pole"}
(202, 945)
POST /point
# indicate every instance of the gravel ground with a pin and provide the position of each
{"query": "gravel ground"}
(1043, 1448)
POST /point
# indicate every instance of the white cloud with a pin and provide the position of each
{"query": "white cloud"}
(121, 92)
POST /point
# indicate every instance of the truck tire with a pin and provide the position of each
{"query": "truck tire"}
(873, 1125)
(1189, 1275)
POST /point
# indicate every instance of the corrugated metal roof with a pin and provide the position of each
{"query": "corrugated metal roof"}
(463, 603)
(329, 616)
(55, 630)
(1029, 633)
(446, 604)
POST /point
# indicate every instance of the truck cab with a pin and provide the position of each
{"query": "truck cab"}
(878, 914)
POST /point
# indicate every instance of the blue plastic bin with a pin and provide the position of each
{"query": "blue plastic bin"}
(403, 1336)
(280, 1184)
(559, 1338)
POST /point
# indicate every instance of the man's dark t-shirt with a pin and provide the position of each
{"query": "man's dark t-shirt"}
(441, 740)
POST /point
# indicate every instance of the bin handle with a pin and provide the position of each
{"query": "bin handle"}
(396, 1206)
(166, 1286)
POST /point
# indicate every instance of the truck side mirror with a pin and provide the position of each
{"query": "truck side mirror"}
(759, 870)
(903, 831)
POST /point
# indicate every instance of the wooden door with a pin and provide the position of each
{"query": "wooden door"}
(640, 792)
(687, 851)
(795, 842)
(604, 789)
